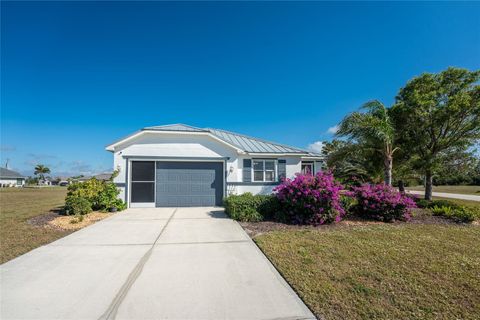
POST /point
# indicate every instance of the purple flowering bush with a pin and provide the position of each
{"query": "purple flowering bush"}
(382, 202)
(310, 199)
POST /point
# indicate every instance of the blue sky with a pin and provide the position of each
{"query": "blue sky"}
(77, 76)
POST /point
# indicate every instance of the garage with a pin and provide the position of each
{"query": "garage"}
(177, 184)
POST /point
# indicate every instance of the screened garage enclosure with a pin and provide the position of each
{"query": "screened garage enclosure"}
(177, 184)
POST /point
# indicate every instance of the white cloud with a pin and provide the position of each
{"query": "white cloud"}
(317, 146)
(333, 130)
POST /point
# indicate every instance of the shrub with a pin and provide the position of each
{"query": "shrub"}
(100, 194)
(422, 203)
(249, 207)
(457, 213)
(78, 205)
(119, 204)
(77, 219)
(442, 203)
(107, 197)
(348, 202)
(310, 199)
(382, 202)
(268, 207)
(89, 190)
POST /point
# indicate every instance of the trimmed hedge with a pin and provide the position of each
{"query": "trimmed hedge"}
(251, 208)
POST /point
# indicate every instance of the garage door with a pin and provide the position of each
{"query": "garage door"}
(185, 184)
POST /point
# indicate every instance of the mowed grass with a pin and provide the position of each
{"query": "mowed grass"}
(473, 190)
(382, 271)
(17, 236)
(468, 203)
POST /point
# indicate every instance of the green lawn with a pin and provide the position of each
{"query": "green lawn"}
(17, 236)
(461, 202)
(475, 190)
(385, 271)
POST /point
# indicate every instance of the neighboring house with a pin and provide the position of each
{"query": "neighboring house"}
(103, 176)
(83, 179)
(10, 178)
(44, 182)
(61, 181)
(180, 165)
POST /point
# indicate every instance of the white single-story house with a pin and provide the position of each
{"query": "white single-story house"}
(179, 165)
(44, 182)
(10, 178)
(101, 177)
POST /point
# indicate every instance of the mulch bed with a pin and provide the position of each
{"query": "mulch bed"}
(420, 216)
(44, 219)
(55, 220)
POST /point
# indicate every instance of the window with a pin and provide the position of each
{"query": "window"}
(307, 167)
(264, 170)
(19, 182)
(143, 181)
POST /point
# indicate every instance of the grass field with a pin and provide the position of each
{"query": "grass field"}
(406, 271)
(17, 236)
(474, 190)
(461, 202)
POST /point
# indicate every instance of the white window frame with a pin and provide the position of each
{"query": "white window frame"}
(275, 170)
(311, 164)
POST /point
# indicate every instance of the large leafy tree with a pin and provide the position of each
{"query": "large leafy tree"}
(372, 129)
(41, 170)
(436, 116)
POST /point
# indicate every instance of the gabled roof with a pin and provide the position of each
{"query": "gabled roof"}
(242, 142)
(175, 127)
(7, 173)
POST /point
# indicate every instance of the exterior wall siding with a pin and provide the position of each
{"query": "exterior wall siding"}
(253, 189)
(11, 182)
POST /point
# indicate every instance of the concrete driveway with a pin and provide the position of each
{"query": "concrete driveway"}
(162, 263)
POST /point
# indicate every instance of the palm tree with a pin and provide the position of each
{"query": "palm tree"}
(372, 129)
(41, 170)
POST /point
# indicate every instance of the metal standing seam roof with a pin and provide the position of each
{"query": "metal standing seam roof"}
(243, 142)
(6, 173)
(175, 127)
(250, 144)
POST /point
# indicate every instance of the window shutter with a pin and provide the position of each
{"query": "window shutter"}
(247, 170)
(282, 169)
(318, 166)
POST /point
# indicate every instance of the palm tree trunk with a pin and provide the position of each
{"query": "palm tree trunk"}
(388, 164)
(401, 186)
(428, 184)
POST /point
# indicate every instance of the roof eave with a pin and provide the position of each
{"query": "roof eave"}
(313, 157)
(111, 147)
(276, 154)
